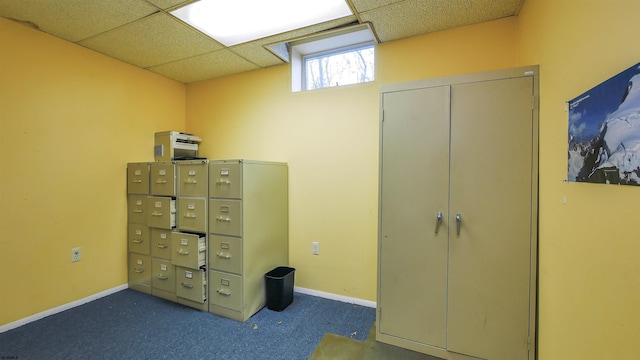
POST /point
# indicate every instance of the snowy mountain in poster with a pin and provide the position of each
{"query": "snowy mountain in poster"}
(604, 132)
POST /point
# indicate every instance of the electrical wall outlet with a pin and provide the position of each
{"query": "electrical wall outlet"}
(76, 254)
(315, 248)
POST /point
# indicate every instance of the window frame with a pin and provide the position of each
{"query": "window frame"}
(331, 41)
(333, 52)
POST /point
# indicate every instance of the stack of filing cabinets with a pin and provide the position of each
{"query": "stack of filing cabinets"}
(168, 230)
(189, 220)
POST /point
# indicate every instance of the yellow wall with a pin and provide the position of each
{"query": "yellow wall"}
(70, 120)
(589, 291)
(61, 106)
(330, 139)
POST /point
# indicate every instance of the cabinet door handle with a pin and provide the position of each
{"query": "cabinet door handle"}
(223, 182)
(137, 181)
(163, 246)
(138, 241)
(189, 181)
(225, 219)
(161, 181)
(162, 277)
(189, 215)
(438, 220)
(458, 223)
(138, 270)
(223, 292)
(188, 286)
(182, 252)
(155, 213)
(223, 255)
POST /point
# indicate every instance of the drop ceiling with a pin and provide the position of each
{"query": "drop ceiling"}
(144, 34)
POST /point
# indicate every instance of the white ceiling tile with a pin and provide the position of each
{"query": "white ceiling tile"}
(154, 40)
(75, 20)
(205, 66)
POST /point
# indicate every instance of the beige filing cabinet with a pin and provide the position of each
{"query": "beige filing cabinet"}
(161, 212)
(161, 243)
(248, 233)
(161, 219)
(138, 239)
(189, 240)
(163, 271)
(458, 216)
(163, 279)
(138, 235)
(138, 178)
(162, 179)
(193, 187)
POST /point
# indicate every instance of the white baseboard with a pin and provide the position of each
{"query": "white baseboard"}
(330, 296)
(55, 310)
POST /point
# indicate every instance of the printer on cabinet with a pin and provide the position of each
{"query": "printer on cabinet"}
(174, 145)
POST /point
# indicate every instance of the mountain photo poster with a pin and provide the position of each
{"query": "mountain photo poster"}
(604, 132)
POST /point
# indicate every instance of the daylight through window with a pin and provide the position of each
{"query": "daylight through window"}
(345, 66)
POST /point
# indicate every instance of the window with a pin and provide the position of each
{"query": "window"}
(345, 66)
(333, 58)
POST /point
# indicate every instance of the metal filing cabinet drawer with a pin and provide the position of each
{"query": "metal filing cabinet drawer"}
(139, 239)
(225, 217)
(138, 178)
(188, 250)
(162, 178)
(161, 243)
(225, 179)
(191, 284)
(192, 214)
(161, 212)
(225, 254)
(163, 274)
(140, 268)
(225, 290)
(137, 213)
(193, 178)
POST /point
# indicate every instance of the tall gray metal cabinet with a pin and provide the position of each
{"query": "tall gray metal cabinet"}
(458, 215)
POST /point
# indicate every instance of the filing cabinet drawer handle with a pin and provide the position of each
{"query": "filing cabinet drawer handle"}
(225, 219)
(190, 216)
(189, 181)
(162, 277)
(155, 213)
(188, 286)
(138, 241)
(161, 181)
(163, 246)
(183, 252)
(137, 210)
(137, 181)
(223, 255)
(138, 270)
(223, 292)
(223, 182)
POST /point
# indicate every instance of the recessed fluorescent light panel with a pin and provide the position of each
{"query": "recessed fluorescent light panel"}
(233, 22)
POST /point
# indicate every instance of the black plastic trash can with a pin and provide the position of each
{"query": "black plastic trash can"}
(279, 282)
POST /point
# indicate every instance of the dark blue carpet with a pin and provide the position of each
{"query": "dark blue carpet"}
(133, 325)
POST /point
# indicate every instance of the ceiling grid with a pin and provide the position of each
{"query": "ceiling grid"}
(144, 34)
